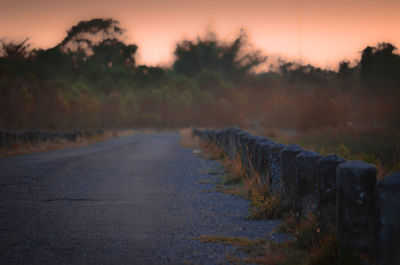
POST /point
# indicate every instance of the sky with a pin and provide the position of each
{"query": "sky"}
(319, 32)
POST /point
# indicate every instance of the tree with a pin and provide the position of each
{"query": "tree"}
(380, 67)
(15, 50)
(115, 52)
(344, 70)
(228, 59)
(380, 70)
(86, 34)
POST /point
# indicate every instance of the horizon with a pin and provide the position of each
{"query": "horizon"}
(305, 31)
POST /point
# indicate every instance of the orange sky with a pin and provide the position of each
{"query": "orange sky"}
(322, 32)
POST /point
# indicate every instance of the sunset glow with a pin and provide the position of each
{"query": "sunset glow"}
(320, 32)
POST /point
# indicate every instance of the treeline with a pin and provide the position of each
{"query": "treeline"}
(91, 80)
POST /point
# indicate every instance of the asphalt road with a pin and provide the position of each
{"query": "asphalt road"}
(128, 200)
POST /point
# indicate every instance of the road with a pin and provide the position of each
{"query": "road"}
(129, 200)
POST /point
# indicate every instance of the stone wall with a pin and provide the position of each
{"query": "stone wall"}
(10, 140)
(344, 195)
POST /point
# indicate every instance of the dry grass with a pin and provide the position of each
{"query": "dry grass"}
(63, 144)
(309, 245)
(243, 244)
(262, 203)
(206, 181)
(188, 139)
(248, 184)
(288, 225)
(235, 241)
(376, 145)
(212, 151)
(235, 173)
(269, 207)
(322, 251)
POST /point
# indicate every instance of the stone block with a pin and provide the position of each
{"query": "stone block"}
(238, 144)
(356, 208)
(306, 184)
(388, 226)
(326, 213)
(273, 174)
(263, 161)
(288, 171)
(251, 154)
(245, 151)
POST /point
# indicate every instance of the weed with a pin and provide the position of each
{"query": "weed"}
(270, 207)
(307, 233)
(244, 244)
(235, 172)
(326, 252)
(205, 181)
(308, 246)
(235, 241)
(378, 146)
(62, 144)
(212, 151)
(188, 139)
(237, 190)
(236, 180)
(288, 225)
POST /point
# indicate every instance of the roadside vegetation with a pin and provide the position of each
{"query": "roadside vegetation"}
(379, 146)
(308, 244)
(91, 80)
(63, 144)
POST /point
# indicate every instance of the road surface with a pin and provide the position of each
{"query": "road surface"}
(129, 200)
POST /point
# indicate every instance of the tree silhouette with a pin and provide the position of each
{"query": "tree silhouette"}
(380, 67)
(86, 34)
(15, 50)
(230, 60)
(115, 52)
(380, 71)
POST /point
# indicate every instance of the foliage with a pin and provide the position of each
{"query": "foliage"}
(15, 50)
(379, 146)
(84, 35)
(91, 80)
(226, 59)
(380, 67)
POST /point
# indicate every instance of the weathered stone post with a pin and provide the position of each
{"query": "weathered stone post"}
(251, 154)
(306, 184)
(326, 213)
(219, 138)
(238, 144)
(388, 203)
(245, 151)
(225, 140)
(273, 175)
(259, 157)
(263, 163)
(232, 142)
(288, 171)
(356, 211)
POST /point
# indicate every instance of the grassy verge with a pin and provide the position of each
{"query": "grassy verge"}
(308, 246)
(378, 146)
(62, 144)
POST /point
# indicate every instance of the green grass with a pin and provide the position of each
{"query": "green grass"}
(378, 146)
